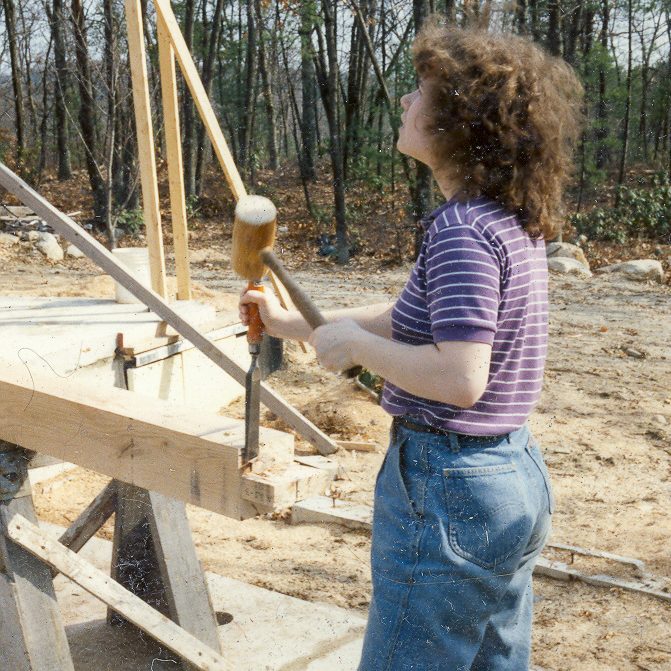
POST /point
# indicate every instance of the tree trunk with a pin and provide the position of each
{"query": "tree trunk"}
(627, 105)
(45, 115)
(601, 134)
(87, 120)
(187, 113)
(327, 74)
(10, 23)
(309, 94)
(244, 140)
(213, 43)
(60, 91)
(266, 82)
(553, 28)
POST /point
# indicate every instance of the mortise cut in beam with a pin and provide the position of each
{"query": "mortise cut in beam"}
(158, 626)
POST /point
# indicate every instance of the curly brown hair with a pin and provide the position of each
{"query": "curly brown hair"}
(506, 117)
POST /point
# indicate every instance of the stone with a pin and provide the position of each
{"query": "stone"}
(566, 250)
(74, 252)
(7, 240)
(31, 236)
(568, 266)
(661, 420)
(48, 245)
(640, 270)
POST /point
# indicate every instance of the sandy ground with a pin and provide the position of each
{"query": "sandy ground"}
(604, 421)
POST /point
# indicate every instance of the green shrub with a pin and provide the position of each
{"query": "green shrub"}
(131, 220)
(640, 213)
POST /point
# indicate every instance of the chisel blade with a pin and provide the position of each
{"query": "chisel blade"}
(252, 410)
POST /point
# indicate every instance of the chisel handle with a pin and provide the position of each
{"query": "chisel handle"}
(301, 300)
(255, 326)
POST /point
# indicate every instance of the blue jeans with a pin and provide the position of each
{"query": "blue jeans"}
(457, 528)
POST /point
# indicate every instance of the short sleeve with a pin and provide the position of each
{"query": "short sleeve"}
(463, 273)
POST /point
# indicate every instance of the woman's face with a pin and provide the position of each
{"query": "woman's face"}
(413, 139)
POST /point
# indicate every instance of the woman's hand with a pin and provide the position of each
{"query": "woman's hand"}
(273, 315)
(337, 344)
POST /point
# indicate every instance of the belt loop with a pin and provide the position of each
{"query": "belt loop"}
(508, 438)
(454, 442)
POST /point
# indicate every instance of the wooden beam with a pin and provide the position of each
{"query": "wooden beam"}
(31, 538)
(142, 441)
(103, 258)
(200, 98)
(145, 145)
(173, 147)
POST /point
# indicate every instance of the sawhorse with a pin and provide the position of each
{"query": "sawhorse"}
(157, 583)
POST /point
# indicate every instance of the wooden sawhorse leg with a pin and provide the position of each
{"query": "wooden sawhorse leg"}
(154, 557)
(32, 636)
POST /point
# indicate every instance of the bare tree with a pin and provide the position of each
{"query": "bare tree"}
(10, 24)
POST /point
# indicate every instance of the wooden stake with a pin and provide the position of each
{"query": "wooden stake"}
(173, 146)
(145, 142)
(200, 98)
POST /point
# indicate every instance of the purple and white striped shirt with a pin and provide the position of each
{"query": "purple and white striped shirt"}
(479, 277)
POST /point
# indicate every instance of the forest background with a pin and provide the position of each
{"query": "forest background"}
(307, 94)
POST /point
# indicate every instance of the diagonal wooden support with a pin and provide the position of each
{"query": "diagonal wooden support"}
(192, 79)
(30, 537)
(97, 253)
(32, 636)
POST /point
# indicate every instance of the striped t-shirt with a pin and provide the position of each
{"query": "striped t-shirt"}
(479, 277)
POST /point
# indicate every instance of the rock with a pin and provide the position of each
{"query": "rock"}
(660, 419)
(7, 240)
(48, 245)
(75, 252)
(641, 269)
(568, 266)
(565, 250)
(31, 236)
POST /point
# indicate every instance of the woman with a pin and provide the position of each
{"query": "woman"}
(463, 502)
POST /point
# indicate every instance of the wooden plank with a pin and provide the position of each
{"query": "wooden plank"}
(173, 147)
(84, 528)
(32, 636)
(103, 258)
(193, 81)
(138, 440)
(188, 647)
(145, 144)
(325, 510)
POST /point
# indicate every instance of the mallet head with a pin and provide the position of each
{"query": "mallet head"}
(253, 229)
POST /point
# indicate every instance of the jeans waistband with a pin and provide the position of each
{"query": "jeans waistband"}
(461, 438)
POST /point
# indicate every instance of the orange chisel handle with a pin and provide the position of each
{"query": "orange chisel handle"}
(255, 326)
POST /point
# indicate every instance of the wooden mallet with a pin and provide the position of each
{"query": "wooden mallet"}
(253, 229)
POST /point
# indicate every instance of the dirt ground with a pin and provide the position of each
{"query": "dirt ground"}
(604, 421)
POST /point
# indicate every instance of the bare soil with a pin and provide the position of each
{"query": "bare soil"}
(604, 422)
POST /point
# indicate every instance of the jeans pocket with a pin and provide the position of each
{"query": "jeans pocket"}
(534, 453)
(488, 520)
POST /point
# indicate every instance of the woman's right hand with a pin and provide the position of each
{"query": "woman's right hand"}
(273, 315)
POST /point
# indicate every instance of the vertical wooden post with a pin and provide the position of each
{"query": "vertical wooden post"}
(166, 56)
(145, 142)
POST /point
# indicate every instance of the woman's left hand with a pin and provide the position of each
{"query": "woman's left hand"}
(337, 344)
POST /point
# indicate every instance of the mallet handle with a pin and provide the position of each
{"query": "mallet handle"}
(301, 300)
(255, 327)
